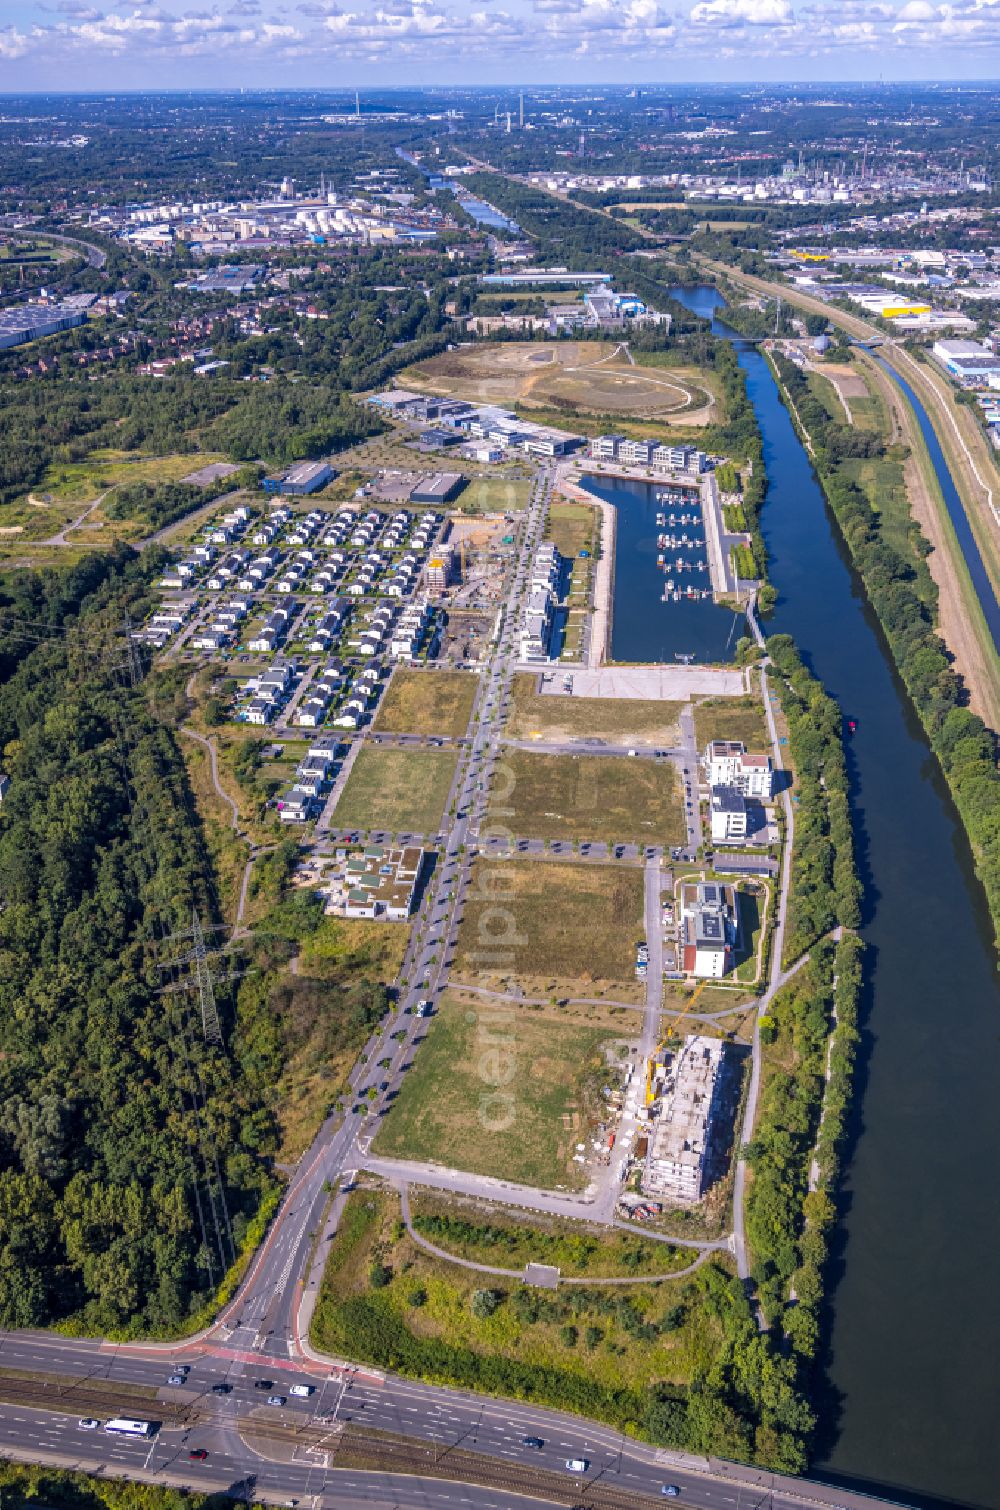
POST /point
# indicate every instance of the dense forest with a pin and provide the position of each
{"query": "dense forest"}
(565, 233)
(825, 888)
(802, 1113)
(130, 1148)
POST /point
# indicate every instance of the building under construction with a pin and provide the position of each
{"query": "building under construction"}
(690, 1088)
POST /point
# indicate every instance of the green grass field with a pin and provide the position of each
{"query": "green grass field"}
(500, 1091)
(422, 702)
(594, 1351)
(397, 790)
(572, 927)
(596, 797)
(493, 495)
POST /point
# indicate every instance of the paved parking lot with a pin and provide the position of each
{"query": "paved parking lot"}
(667, 683)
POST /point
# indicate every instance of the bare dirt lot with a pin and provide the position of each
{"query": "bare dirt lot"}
(589, 376)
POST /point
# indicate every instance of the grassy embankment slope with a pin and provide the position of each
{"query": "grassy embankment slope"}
(972, 469)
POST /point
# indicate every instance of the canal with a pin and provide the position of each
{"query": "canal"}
(956, 509)
(912, 1388)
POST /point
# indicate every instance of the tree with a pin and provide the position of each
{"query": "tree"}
(485, 1303)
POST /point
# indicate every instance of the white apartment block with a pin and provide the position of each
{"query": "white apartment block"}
(728, 764)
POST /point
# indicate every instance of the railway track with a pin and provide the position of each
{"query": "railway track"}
(346, 1447)
(351, 1448)
(80, 1397)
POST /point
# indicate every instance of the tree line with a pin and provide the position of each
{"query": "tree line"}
(121, 1128)
(966, 748)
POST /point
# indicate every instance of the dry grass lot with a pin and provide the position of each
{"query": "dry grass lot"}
(739, 718)
(595, 797)
(500, 1092)
(492, 495)
(397, 790)
(573, 527)
(428, 702)
(323, 1020)
(566, 930)
(558, 717)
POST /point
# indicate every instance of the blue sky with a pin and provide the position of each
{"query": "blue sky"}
(149, 44)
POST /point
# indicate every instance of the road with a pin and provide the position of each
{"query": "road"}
(262, 1337)
(93, 254)
(283, 1468)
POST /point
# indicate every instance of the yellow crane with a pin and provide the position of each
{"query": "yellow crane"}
(667, 1035)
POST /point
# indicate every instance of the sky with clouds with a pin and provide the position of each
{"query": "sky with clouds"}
(149, 44)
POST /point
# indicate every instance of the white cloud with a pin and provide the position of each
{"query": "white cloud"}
(440, 35)
(738, 12)
(13, 43)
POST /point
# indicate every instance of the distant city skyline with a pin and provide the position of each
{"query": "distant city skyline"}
(156, 44)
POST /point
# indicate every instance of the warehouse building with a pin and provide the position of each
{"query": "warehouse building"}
(30, 322)
(437, 487)
(303, 478)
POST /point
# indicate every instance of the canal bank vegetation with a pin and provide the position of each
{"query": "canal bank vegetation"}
(811, 1036)
(825, 889)
(740, 437)
(966, 748)
(677, 1361)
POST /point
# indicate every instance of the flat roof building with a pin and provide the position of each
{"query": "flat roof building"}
(729, 815)
(727, 763)
(383, 882)
(437, 487)
(302, 478)
(710, 926)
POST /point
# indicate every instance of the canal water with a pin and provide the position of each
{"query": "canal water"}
(911, 1399)
(486, 214)
(643, 626)
(956, 510)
